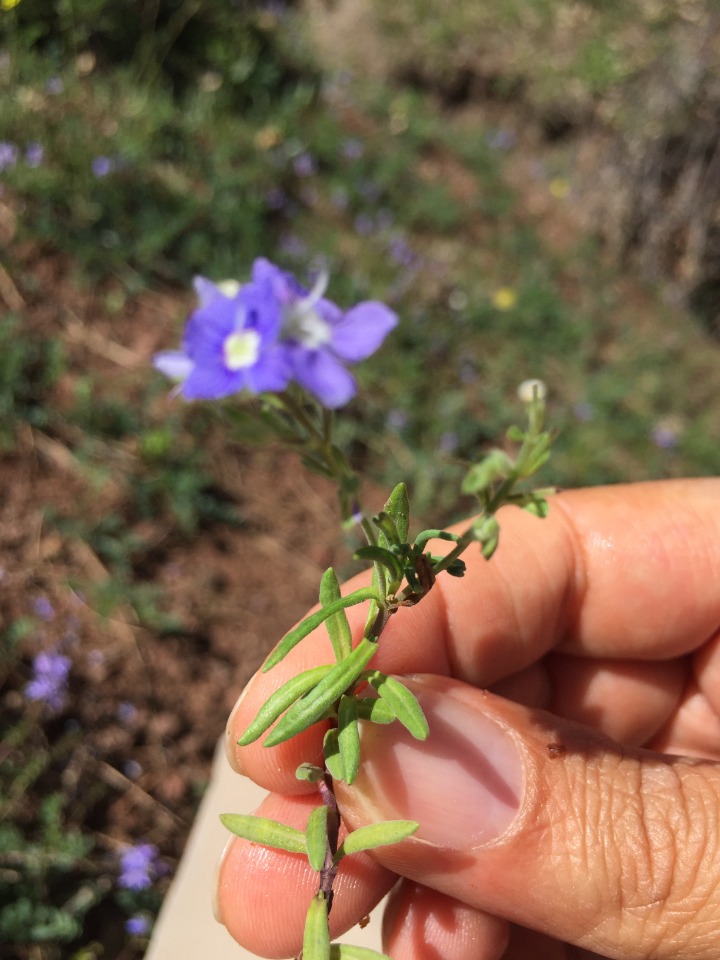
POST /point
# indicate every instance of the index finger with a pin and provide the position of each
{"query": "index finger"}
(629, 571)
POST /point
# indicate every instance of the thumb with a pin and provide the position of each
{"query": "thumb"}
(547, 824)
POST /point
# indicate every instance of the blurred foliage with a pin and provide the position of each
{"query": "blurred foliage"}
(29, 368)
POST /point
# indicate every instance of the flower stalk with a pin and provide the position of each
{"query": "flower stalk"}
(285, 351)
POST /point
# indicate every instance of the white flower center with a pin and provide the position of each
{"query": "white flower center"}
(302, 322)
(241, 349)
(308, 327)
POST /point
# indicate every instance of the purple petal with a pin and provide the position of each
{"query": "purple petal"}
(211, 382)
(262, 309)
(324, 376)
(270, 374)
(206, 290)
(362, 330)
(174, 364)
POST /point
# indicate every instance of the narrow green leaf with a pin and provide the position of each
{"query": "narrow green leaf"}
(346, 951)
(279, 701)
(331, 753)
(316, 941)
(349, 738)
(423, 538)
(402, 702)
(386, 525)
(303, 713)
(270, 833)
(316, 833)
(337, 624)
(376, 835)
(310, 623)
(375, 710)
(380, 555)
(398, 506)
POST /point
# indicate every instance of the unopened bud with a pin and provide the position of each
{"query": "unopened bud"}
(531, 390)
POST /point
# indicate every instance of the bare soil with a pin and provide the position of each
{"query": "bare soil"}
(132, 749)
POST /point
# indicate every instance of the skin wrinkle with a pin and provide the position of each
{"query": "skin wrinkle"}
(576, 588)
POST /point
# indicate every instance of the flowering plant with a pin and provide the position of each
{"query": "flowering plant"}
(284, 349)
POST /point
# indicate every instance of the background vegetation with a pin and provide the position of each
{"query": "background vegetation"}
(550, 214)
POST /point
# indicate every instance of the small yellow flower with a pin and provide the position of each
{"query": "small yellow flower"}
(504, 298)
(8, 4)
(268, 137)
(559, 187)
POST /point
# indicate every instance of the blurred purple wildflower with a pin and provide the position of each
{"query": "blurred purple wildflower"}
(34, 154)
(132, 769)
(50, 680)
(353, 149)
(54, 86)
(664, 436)
(363, 224)
(276, 198)
(43, 609)
(138, 866)
(230, 344)
(102, 166)
(501, 139)
(319, 338)
(304, 165)
(8, 155)
(292, 246)
(401, 252)
(137, 926)
(126, 712)
(584, 411)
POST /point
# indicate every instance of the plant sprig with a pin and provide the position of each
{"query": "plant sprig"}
(404, 572)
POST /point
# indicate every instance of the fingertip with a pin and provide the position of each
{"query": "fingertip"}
(263, 893)
(420, 924)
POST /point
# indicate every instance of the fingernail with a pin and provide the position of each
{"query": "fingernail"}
(216, 882)
(231, 736)
(463, 785)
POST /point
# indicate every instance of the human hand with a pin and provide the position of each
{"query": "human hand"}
(538, 830)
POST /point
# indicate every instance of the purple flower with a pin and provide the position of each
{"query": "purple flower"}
(304, 165)
(132, 769)
(584, 411)
(126, 712)
(276, 198)
(353, 149)
(50, 680)
(138, 866)
(102, 166)
(8, 155)
(55, 86)
(363, 224)
(230, 343)
(664, 436)
(501, 139)
(260, 336)
(320, 338)
(137, 926)
(34, 154)
(43, 609)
